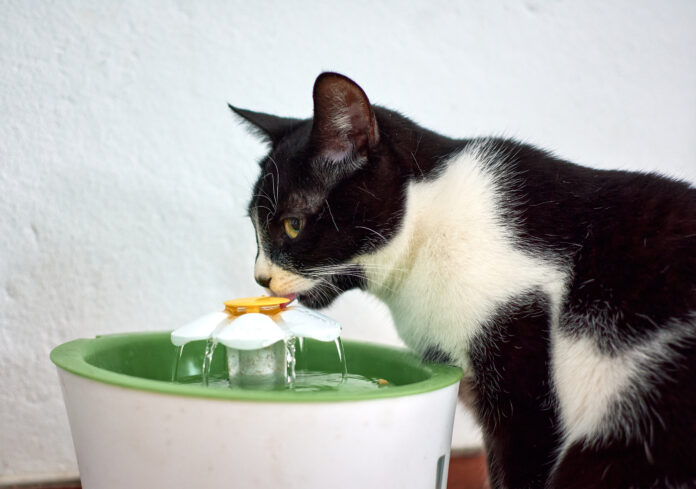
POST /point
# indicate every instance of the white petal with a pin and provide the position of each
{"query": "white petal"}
(306, 323)
(200, 329)
(251, 331)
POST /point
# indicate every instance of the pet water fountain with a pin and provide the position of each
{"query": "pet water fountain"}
(260, 336)
(261, 395)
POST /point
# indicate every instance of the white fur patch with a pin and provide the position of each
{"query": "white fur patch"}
(340, 120)
(283, 282)
(603, 396)
(586, 382)
(453, 262)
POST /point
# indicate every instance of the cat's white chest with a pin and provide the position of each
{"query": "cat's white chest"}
(454, 262)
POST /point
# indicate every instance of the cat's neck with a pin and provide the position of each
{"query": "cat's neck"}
(454, 261)
(418, 151)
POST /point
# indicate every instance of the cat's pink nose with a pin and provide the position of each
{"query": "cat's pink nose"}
(263, 281)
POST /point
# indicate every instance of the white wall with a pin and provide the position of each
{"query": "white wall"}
(124, 178)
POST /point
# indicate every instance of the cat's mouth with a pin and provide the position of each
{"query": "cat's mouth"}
(316, 298)
(323, 294)
(325, 291)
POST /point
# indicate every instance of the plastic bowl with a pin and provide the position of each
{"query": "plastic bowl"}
(133, 427)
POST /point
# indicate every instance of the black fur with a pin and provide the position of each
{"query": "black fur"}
(513, 397)
(629, 239)
(435, 355)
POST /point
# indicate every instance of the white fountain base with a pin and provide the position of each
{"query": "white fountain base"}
(127, 438)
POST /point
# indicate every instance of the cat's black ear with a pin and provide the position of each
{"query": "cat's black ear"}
(270, 127)
(344, 122)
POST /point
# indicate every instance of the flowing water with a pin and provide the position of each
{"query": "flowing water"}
(274, 368)
(341, 358)
(305, 381)
(177, 360)
(290, 361)
(208, 359)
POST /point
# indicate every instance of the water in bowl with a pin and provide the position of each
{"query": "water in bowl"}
(299, 376)
(305, 381)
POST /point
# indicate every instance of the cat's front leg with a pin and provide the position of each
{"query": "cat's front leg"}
(520, 445)
(513, 400)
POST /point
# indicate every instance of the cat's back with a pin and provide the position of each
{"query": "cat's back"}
(623, 359)
(561, 204)
(628, 238)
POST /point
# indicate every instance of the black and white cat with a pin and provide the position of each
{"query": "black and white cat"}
(566, 294)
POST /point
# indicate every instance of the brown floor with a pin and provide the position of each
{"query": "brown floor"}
(468, 472)
(465, 472)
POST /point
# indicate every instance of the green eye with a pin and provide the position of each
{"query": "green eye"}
(293, 226)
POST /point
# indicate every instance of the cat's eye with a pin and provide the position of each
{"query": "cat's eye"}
(293, 226)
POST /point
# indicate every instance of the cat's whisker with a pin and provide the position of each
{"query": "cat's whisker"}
(367, 266)
(323, 293)
(264, 195)
(413, 155)
(331, 214)
(379, 282)
(347, 273)
(274, 200)
(265, 207)
(277, 183)
(372, 280)
(373, 231)
(333, 286)
(273, 188)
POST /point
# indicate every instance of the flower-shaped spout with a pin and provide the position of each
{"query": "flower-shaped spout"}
(257, 322)
(256, 331)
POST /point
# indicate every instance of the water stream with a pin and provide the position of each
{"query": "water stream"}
(269, 369)
(210, 346)
(342, 359)
(290, 360)
(177, 360)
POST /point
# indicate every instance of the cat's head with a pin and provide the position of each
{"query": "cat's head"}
(330, 190)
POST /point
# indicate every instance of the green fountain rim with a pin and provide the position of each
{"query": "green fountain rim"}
(71, 357)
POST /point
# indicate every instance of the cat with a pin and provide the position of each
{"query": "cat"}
(566, 294)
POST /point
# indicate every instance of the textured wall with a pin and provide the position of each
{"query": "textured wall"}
(123, 178)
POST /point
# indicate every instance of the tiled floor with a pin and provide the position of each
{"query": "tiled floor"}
(465, 472)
